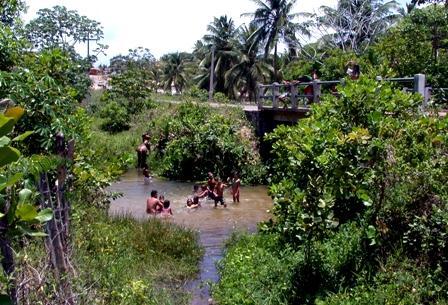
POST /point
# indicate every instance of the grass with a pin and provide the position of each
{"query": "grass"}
(126, 261)
(116, 261)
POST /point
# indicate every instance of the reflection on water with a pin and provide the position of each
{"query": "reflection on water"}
(214, 224)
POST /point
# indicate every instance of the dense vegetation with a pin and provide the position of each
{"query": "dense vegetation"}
(191, 140)
(40, 95)
(359, 186)
(360, 207)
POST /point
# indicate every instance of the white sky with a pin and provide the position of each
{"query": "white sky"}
(162, 26)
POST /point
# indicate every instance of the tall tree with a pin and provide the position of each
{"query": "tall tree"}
(219, 40)
(249, 69)
(175, 70)
(139, 58)
(275, 22)
(10, 11)
(355, 24)
(61, 28)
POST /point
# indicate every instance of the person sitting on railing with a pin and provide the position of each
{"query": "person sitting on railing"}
(307, 90)
(285, 96)
(353, 70)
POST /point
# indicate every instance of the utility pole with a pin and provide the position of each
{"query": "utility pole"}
(212, 73)
(88, 39)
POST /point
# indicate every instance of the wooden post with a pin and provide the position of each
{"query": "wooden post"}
(294, 92)
(53, 240)
(57, 228)
(316, 91)
(275, 94)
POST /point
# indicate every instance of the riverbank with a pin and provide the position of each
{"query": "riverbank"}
(128, 261)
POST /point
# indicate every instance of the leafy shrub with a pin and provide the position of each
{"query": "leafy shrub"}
(192, 140)
(197, 93)
(254, 273)
(131, 88)
(220, 98)
(350, 148)
(400, 281)
(116, 117)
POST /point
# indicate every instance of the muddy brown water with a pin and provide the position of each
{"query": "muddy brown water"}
(214, 225)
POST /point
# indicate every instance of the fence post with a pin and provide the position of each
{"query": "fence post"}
(419, 86)
(316, 91)
(259, 96)
(275, 94)
(294, 92)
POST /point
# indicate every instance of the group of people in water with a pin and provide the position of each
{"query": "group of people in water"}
(213, 188)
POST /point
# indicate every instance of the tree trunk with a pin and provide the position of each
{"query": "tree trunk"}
(275, 64)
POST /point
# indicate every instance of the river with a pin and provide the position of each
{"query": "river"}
(214, 225)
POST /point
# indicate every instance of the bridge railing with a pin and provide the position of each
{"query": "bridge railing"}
(300, 95)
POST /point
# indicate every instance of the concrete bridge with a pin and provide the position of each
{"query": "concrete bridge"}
(287, 103)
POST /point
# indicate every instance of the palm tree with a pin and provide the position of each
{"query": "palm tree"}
(175, 70)
(355, 24)
(221, 37)
(242, 78)
(275, 22)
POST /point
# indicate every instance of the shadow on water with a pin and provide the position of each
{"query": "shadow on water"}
(214, 224)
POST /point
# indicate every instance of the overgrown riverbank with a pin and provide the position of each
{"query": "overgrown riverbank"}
(118, 260)
(361, 203)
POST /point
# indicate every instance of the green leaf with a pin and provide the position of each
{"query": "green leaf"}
(26, 212)
(6, 125)
(8, 155)
(4, 141)
(44, 215)
(23, 136)
(362, 195)
(36, 234)
(29, 232)
(321, 203)
(24, 195)
(4, 184)
(2, 215)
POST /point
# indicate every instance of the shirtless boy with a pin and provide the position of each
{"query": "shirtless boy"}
(236, 183)
(142, 154)
(219, 190)
(153, 205)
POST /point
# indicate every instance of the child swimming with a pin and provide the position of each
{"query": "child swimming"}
(166, 210)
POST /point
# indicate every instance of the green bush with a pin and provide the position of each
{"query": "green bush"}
(191, 140)
(116, 117)
(220, 97)
(253, 272)
(197, 93)
(400, 281)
